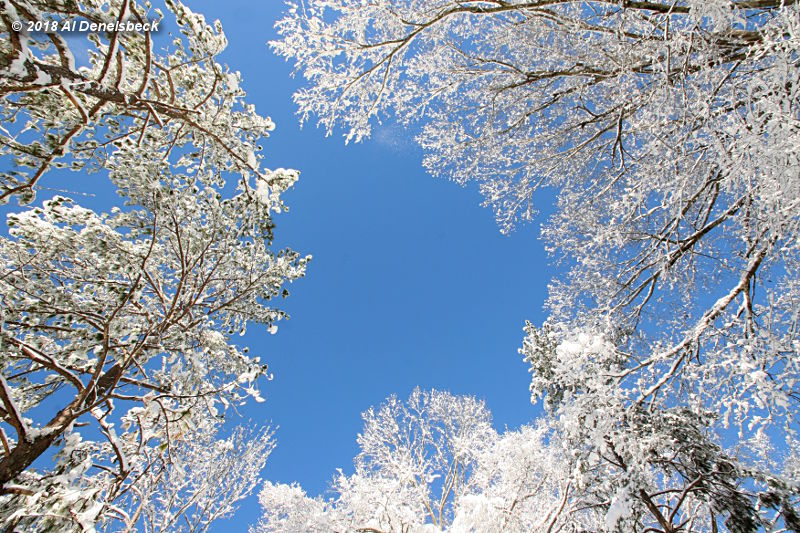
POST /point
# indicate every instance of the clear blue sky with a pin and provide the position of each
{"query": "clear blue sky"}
(411, 282)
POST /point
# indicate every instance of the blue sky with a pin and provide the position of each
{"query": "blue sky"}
(411, 282)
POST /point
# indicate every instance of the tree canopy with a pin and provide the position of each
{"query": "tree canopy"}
(668, 367)
(117, 365)
(434, 463)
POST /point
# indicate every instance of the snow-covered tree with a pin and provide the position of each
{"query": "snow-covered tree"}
(116, 359)
(671, 132)
(199, 482)
(434, 463)
(656, 472)
(124, 92)
(416, 461)
(525, 482)
(670, 463)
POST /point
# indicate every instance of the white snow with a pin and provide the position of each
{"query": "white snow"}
(252, 162)
(620, 508)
